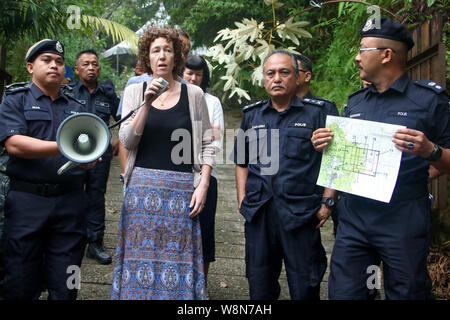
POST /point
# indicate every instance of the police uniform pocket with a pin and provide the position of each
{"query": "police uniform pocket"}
(38, 114)
(257, 142)
(102, 110)
(297, 143)
(405, 118)
(253, 190)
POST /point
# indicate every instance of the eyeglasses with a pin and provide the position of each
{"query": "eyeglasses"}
(361, 50)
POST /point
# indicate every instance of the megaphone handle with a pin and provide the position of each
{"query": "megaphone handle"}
(68, 165)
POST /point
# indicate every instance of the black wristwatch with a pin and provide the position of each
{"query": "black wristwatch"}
(329, 203)
(436, 154)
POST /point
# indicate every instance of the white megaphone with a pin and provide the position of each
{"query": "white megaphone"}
(82, 138)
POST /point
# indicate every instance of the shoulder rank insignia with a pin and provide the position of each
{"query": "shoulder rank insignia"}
(435, 86)
(253, 105)
(315, 101)
(17, 87)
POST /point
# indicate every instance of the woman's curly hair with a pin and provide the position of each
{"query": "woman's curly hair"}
(171, 35)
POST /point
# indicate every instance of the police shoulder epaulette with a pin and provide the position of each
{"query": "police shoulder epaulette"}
(314, 101)
(253, 105)
(17, 87)
(357, 92)
(435, 86)
(319, 100)
(67, 89)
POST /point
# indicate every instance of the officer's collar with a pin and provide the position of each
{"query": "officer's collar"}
(37, 92)
(80, 85)
(295, 102)
(399, 85)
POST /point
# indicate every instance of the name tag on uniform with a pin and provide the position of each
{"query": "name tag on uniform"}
(103, 104)
(258, 126)
(402, 113)
(300, 124)
(37, 108)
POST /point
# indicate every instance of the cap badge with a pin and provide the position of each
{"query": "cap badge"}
(369, 25)
(59, 47)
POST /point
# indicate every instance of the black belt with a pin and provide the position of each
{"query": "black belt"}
(45, 189)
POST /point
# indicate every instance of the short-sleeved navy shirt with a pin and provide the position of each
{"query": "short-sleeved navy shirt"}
(290, 174)
(28, 111)
(102, 101)
(421, 105)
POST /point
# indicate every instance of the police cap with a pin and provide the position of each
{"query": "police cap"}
(44, 46)
(387, 29)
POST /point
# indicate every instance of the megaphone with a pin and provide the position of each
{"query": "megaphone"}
(82, 138)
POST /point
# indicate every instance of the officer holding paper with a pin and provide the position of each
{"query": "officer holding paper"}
(397, 233)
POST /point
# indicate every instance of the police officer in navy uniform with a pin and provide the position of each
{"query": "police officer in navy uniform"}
(101, 100)
(276, 173)
(329, 107)
(397, 233)
(45, 231)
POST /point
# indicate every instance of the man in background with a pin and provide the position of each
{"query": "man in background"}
(99, 99)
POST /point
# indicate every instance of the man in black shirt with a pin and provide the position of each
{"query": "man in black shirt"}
(101, 100)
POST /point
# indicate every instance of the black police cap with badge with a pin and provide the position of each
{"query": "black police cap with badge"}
(387, 29)
(44, 46)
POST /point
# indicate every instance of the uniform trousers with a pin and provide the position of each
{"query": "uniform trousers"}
(268, 244)
(96, 181)
(398, 234)
(44, 236)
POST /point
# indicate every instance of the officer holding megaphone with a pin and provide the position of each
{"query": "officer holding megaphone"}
(45, 227)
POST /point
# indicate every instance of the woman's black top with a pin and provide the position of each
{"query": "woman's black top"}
(156, 149)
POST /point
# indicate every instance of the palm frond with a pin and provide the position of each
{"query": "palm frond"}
(117, 31)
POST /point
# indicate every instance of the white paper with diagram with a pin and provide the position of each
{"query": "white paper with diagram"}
(361, 158)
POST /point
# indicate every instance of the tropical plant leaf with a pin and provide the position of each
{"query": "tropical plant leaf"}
(249, 29)
(263, 49)
(241, 93)
(117, 31)
(230, 82)
(258, 76)
(293, 30)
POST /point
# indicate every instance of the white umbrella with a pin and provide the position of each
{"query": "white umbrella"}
(121, 48)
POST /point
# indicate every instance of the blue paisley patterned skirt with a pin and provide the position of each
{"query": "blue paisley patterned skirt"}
(159, 250)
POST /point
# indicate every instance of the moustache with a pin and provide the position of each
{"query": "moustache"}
(277, 86)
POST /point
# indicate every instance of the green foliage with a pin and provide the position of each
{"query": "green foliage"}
(335, 72)
(241, 51)
(202, 19)
(26, 21)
